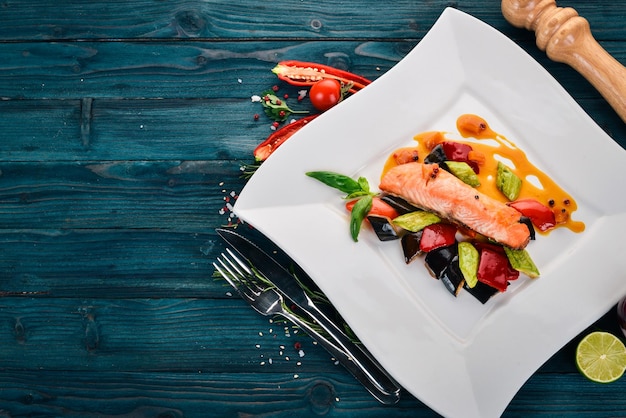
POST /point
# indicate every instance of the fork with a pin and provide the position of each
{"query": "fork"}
(269, 302)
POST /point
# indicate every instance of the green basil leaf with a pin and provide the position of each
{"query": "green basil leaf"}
(359, 211)
(364, 184)
(356, 194)
(338, 181)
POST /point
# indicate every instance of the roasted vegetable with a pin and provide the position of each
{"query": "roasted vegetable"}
(481, 291)
(437, 260)
(400, 205)
(468, 262)
(494, 268)
(416, 221)
(452, 277)
(382, 226)
(508, 182)
(436, 236)
(464, 172)
(437, 156)
(520, 260)
(379, 207)
(411, 246)
(540, 215)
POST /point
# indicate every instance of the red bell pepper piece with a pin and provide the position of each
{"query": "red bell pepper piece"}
(540, 215)
(494, 268)
(379, 207)
(267, 147)
(456, 151)
(437, 235)
(300, 73)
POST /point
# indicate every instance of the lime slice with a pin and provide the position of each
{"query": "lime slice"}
(601, 357)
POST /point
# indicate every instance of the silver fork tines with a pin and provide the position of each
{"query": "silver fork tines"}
(268, 301)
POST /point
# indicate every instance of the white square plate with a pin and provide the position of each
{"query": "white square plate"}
(458, 356)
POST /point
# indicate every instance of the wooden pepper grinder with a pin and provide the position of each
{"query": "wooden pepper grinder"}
(566, 37)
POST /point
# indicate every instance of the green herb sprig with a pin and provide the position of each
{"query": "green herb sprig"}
(354, 189)
(276, 108)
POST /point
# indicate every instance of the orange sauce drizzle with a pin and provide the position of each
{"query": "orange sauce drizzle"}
(535, 183)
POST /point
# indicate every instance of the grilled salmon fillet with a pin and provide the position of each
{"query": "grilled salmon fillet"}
(431, 188)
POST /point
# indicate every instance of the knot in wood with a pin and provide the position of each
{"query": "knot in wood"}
(321, 397)
(190, 23)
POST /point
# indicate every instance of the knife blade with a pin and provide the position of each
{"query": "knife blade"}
(378, 380)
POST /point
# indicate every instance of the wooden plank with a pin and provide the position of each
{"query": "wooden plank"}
(224, 70)
(199, 394)
(160, 129)
(71, 19)
(151, 334)
(100, 333)
(159, 347)
(125, 263)
(130, 394)
(172, 195)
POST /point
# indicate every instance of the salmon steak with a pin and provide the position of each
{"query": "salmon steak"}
(429, 187)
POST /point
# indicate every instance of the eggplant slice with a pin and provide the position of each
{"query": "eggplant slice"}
(382, 226)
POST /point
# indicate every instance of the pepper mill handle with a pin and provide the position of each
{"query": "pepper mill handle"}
(566, 37)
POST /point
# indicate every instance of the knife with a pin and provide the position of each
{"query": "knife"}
(369, 371)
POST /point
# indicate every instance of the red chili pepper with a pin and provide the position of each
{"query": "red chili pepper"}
(436, 236)
(267, 147)
(494, 268)
(379, 207)
(300, 73)
(540, 215)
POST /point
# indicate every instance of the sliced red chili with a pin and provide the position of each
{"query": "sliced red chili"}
(494, 268)
(301, 73)
(540, 215)
(267, 147)
(379, 207)
(436, 236)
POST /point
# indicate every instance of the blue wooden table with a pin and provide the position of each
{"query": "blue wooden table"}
(123, 126)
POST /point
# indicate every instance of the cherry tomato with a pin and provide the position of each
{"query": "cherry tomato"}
(325, 94)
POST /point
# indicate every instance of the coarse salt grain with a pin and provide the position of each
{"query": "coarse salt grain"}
(255, 98)
(301, 353)
(295, 376)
